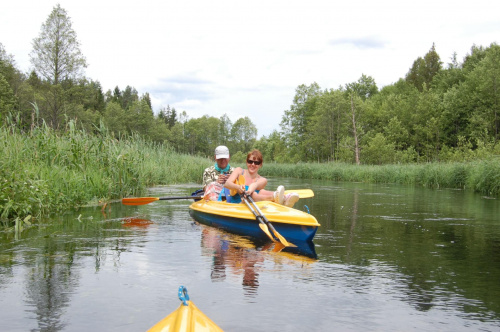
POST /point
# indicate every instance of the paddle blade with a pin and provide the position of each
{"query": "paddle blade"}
(282, 239)
(139, 200)
(240, 180)
(303, 193)
(278, 247)
(266, 230)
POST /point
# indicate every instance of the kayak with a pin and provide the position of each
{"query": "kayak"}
(187, 318)
(292, 224)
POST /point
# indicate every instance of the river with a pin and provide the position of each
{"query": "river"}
(386, 258)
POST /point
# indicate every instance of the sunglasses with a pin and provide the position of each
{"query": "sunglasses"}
(257, 163)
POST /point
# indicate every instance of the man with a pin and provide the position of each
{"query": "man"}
(215, 176)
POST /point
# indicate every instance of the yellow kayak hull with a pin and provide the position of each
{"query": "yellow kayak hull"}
(187, 318)
(293, 224)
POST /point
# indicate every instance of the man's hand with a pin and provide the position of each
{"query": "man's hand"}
(222, 178)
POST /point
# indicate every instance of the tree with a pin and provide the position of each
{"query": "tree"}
(11, 74)
(56, 53)
(169, 116)
(396, 134)
(146, 98)
(7, 68)
(272, 147)
(139, 117)
(484, 82)
(365, 87)
(355, 133)
(328, 124)
(224, 129)
(378, 151)
(129, 96)
(57, 59)
(295, 122)
(244, 134)
(7, 99)
(115, 119)
(423, 70)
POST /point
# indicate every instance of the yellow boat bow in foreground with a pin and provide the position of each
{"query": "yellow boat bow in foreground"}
(187, 318)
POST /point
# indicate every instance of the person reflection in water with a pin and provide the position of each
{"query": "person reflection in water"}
(217, 246)
(233, 259)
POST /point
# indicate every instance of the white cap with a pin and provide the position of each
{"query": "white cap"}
(221, 152)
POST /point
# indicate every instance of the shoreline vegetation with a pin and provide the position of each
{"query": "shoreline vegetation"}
(43, 171)
(438, 126)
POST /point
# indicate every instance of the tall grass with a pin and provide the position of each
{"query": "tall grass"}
(481, 176)
(43, 171)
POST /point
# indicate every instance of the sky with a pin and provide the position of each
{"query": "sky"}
(246, 59)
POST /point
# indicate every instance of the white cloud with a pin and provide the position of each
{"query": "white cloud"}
(246, 59)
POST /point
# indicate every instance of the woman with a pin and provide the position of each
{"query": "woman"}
(254, 183)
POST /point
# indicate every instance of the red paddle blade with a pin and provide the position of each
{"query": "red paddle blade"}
(139, 200)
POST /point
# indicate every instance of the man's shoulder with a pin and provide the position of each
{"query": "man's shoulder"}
(210, 169)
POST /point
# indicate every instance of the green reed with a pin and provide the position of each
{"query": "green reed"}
(43, 171)
(482, 176)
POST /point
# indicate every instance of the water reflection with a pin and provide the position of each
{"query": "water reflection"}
(49, 288)
(244, 258)
(136, 222)
(431, 257)
(434, 247)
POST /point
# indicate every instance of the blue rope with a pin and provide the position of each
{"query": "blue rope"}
(183, 295)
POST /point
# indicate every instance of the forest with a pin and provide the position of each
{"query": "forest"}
(65, 143)
(436, 112)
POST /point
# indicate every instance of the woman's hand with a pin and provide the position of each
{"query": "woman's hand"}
(241, 189)
(251, 189)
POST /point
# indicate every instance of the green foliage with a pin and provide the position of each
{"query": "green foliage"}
(243, 134)
(433, 114)
(56, 53)
(238, 158)
(480, 176)
(42, 171)
(423, 70)
(379, 151)
(7, 98)
(296, 121)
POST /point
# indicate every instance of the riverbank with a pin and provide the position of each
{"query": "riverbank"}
(43, 171)
(481, 176)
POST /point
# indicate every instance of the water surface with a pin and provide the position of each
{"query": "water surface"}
(386, 258)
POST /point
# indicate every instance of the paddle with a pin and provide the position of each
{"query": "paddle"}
(147, 200)
(259, 218)
(267, 223)
(303, 193)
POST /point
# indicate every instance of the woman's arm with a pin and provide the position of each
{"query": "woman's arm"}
(258, 184)
(230, 183)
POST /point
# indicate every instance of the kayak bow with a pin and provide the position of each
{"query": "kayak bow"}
(187, 318)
